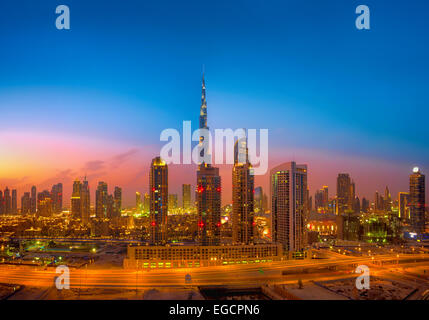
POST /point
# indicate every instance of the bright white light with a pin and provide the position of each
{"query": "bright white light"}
(416, 169)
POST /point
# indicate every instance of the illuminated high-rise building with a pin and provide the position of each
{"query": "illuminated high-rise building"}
(101, 199)
(1, 203)
(242, 195)
(25, 203)
(139, 204)
(85, 202)
(76, 203)
(146, 203)
(344, 190)
(117, 197)
(33, 201)
(259, 200)
(172, 202)
(7, 201)
(387, 200)
(318, 199)
(403, 204)
(14, 204)
(203, 115)
(289, 205)
(417, 201)
(208, 204)
(57, 197)
(186, 196)
(158, 186)
(44, 204)
(325, 197)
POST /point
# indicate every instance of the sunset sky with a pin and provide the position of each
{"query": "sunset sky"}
(94, 99)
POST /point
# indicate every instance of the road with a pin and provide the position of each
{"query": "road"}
(252, 274)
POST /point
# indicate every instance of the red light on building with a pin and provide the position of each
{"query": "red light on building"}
(253, 223)
(200, 189)
(153, 223)
(153, 189)
(218, 189)
(218, 224)
(201, 224)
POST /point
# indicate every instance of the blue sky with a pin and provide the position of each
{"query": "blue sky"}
(129, 69)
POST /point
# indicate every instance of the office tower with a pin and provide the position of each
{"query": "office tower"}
(139, 204)
(33, 201)
(101, 197)
(325, 197)
(158, 186)
(25, 203)
(258, 200)
(1, 203)
(76, 203)
(117, 195)
(289, 205)
(387, 200)
(57, 197)
(352, 196)
(146, 203)
(85, 202)
(417, 201)
(403, 204)
(186, 196)
(242, 195)
(44, 204)
(318, 199)
(208, 204)
(357, 205)
(344, 190)
(172, 202)
(7, 201)
(110, 206)
(14, 205)
(365, 205)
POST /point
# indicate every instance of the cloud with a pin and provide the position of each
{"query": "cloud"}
(119, 159)
(92, 166)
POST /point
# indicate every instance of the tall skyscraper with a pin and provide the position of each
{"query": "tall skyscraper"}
(403, 204)
(7, 201)
(146, 203)
(387, 200)
(44, 204)
(25, 203)
(76, 203)
(14, 205)
(85, 202)
(57, 197)
(139, 203)
(289, 205)
(259, 200)
(117, 195)
(325, 197)
(203, 115)
(208, 191)
(172, 202)
(101, 199)
(242, 195)
(344, 190)
(318, 199)
(208, 205)
(186, 196)
(33, 201)
(417, 201)
(2, 204)
(158, 186)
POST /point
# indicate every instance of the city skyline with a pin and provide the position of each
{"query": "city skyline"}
(366, 133)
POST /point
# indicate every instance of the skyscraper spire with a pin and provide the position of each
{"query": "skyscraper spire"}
(203, 108)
